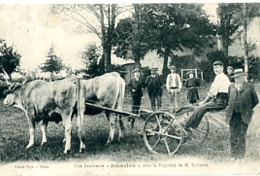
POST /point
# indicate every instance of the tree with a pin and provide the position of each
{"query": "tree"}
(53, 63)
(172, 27)
(248, 13)
(164, 28)
(90, 58)
(9, 58)
(103, 27)
(229, 22)
(129, 41)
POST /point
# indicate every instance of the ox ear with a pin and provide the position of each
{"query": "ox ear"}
(13, 87)
(6, 77)
(17, 86)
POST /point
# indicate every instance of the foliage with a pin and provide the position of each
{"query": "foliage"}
(165, 28)
(129, 43)
(253, 65)
(130, 40)
(90, 58)
(177, 26)
(9, 58)
(230, 20)
(53, 63)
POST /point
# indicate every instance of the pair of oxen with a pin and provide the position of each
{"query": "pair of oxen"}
(60, 100)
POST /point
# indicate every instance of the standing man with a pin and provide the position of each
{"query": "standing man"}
(242, 100)
(217, 97)
(230, 74)
(136, 88)
(173, 85)
(154, 86)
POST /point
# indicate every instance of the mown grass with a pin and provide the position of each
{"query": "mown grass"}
(14, 137)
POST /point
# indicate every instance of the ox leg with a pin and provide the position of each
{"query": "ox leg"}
(67, 125)
(121, 128)
(112, 122)
(82, 146)
(31, 123)
(44, 129)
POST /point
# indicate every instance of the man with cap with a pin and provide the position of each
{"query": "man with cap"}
(230, 74)
(191, 84)
(242, 100)
(154, 84)
(217, 97)
(173, 86)
(136, 87)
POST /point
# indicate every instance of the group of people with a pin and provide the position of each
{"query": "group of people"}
(154, 84)
(231, 92)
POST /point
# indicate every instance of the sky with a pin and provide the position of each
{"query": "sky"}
(32, 30)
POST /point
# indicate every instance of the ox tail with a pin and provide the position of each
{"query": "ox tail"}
(80, 101)
(121, 95)
(120, 99)
(80, 95)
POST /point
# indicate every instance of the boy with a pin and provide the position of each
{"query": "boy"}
(173, 85)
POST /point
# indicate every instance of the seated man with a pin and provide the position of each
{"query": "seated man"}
(217, 97)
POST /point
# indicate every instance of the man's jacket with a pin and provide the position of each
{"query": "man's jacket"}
(248, 100)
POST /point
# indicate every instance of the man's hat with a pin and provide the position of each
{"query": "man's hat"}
(154, 69)
(230, 68)
(135, 70)
(218, 63)
(190, 72)
(238, 72)
(172, 67)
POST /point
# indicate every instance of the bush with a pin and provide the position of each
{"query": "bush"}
(3, 87)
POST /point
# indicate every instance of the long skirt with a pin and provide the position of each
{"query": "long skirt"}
(192, 94)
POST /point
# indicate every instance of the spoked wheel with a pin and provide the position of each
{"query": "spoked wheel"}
(161, 134)
(198, 135)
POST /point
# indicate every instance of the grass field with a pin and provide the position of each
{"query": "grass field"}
(14, 137)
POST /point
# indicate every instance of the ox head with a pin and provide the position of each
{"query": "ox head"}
(11, 94)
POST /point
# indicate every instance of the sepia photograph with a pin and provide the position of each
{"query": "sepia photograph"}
(105, 88)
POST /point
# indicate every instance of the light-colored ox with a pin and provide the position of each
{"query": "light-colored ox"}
(44, 101)
(107, 90)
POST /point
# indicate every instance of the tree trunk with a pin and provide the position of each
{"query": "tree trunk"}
(136, 26)
(225, 49)
(111, 16)
(165, 62)
(137, 63)
(245, 22)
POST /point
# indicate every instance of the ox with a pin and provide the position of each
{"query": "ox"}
(41, 101)
(107, 90)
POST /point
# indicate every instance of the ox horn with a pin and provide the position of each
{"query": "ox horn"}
(6, 77)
